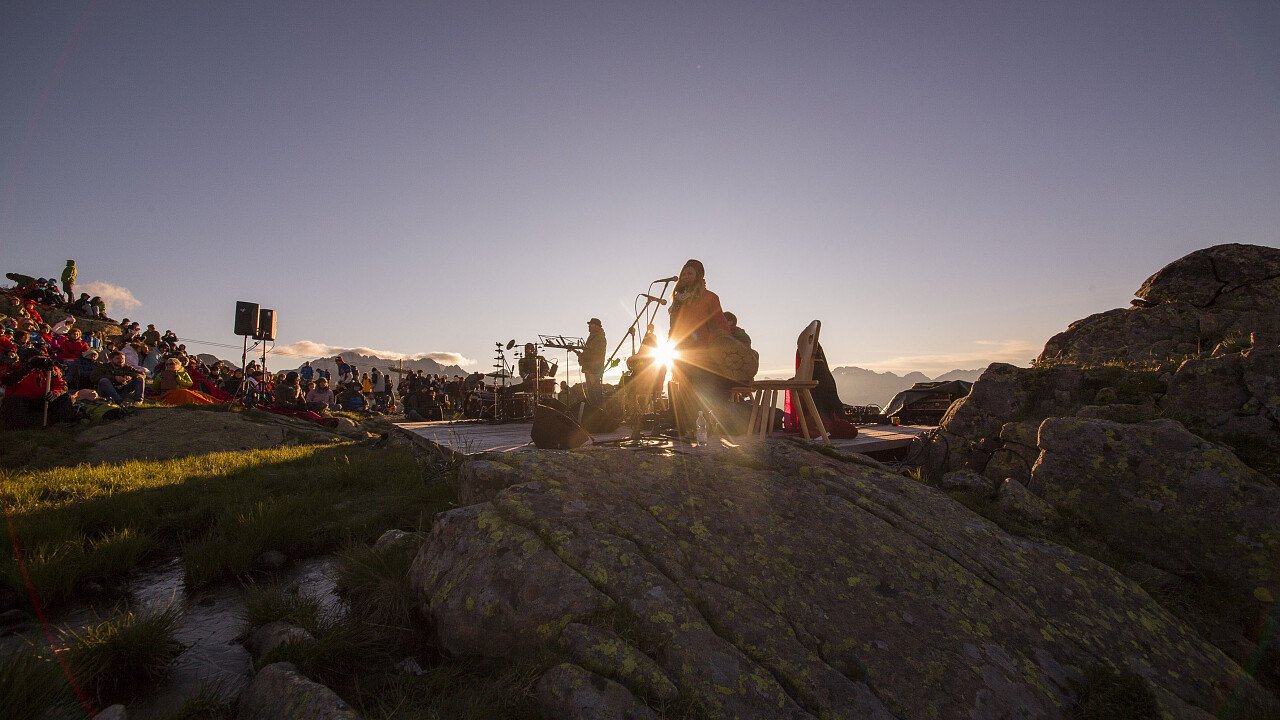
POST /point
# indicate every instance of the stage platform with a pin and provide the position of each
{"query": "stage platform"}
(474, 437)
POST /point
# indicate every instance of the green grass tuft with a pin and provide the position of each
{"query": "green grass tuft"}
(119, 657)
(31, 683)
(210, 702)
(376, 583)
(267, 605)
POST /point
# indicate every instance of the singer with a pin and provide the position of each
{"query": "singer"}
(697, 322)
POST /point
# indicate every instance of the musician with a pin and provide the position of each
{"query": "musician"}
(697, 321)
(531, 367)
(646, 373)
(591, 358)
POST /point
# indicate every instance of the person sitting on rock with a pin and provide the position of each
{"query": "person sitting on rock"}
(151, 336)
(30, 389)
(83, 306)
(117, 381)
(79, 372)
(288, 393)
(63, 326)
(172, 385)
(320, 398)
(70, 347)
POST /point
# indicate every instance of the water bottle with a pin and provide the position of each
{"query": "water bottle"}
(700, 428)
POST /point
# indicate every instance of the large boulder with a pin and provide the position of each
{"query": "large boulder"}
(1218, 296)
(778, 582)
(1158, 494)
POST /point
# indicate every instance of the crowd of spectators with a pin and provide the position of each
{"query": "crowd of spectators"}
(58, 372)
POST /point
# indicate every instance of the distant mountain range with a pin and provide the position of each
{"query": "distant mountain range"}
(859, 386)
(366, 363)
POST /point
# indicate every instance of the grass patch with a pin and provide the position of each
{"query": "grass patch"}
(460, 689)
(31, 683)
(210, 702)
(1106, 694)
(267, 605)
(376, 583)
(124, 654)
(225, 508)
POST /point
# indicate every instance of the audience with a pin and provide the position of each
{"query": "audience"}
(76, 357)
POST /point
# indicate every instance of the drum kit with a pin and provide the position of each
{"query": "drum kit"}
(507, 404)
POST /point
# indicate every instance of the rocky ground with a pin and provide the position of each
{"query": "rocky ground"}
(1096, 536)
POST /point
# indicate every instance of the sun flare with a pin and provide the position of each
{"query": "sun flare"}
(665, 353)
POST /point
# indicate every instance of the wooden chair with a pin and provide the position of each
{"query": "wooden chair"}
(766, 392)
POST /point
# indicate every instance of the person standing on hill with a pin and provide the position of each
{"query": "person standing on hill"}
(69, 278)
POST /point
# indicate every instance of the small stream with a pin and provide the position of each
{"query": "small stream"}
(208, 628)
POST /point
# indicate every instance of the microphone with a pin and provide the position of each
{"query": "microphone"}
(660, 301)
(673, 278)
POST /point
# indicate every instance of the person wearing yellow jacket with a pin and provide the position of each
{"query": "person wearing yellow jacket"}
(172, 384)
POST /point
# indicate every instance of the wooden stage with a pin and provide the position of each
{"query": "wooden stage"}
(474, 437)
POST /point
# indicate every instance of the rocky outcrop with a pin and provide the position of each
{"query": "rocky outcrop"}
(1210, 301)
(162, 433)
(280, 692)
(1158, 494)
(783, 583)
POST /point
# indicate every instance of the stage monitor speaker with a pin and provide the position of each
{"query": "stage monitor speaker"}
(246, 318)
(266, 325)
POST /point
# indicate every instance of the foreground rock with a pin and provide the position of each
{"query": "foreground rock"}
(783, 583)
(279, 692)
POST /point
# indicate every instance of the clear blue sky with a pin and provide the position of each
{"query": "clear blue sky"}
(943, 184)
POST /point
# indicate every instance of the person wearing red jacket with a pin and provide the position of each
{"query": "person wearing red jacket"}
(37, 384)
(69, 347)
(697, 322)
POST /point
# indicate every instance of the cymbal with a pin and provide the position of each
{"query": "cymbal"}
(498, 375)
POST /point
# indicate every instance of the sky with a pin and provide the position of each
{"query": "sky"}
(943, 184)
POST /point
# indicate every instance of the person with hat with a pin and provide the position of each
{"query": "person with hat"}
(69, 277)
(591, 359)
(35, 392)
(697, 322)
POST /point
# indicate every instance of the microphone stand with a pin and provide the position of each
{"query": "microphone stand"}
(631, 331)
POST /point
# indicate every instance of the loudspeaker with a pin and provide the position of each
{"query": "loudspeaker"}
(266, 325)
(246, 318)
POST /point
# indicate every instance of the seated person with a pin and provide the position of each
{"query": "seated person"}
(172, 385)
(117, 381)
(80, 370)
(352, 399)
(84, 306)
(531, 367)
(30, 388)
(320, 398)
(70, 347)
(288, 393)
(736, 332)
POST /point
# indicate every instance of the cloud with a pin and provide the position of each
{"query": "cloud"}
(309, 348)
(1014, 352)
(118, 299)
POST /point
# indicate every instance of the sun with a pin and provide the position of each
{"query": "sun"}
(665, 353)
